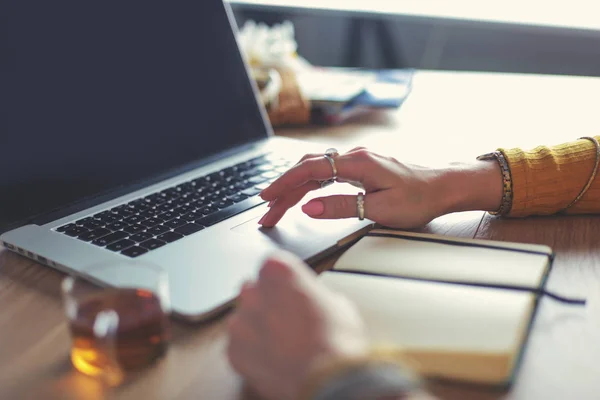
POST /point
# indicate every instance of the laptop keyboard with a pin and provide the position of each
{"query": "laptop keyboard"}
(148, 223)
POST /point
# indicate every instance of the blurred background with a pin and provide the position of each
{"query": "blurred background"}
(530, 36)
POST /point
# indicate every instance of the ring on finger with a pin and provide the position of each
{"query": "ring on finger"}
(360, 205)
(330, 155)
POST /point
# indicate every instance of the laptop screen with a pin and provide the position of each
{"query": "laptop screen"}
(97, 95)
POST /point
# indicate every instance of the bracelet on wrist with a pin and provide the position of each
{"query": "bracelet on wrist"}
(507, 191)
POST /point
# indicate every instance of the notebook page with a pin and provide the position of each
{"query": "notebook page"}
(459, 331)
(440, 261)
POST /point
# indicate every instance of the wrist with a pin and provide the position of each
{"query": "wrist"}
(470, 186)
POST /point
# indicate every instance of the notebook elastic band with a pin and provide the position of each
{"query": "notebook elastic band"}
(539, 291)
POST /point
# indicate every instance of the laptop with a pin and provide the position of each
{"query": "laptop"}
(131, 131)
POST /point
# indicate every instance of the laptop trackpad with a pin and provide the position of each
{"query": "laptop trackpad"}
(301, 234)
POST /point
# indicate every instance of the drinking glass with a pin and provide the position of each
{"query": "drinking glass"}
(120, 327)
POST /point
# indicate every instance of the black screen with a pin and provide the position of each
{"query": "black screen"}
(95, 95)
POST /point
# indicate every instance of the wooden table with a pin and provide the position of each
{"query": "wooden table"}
(449, 116)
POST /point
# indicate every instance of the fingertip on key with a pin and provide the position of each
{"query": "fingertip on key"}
(265, 195)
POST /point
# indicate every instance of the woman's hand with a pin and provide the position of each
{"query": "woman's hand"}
(397, 195)
(285, 324)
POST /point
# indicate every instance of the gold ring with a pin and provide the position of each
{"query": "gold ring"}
(360, 205)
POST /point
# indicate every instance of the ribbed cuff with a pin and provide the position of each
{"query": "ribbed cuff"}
(517, 163)
(547, 179)
(382, 372)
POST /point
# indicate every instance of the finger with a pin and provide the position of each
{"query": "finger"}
(279, 207)
(275, 280)
(249, 301)
(310, 155)
(344, 206)
(357, 184)
(356, 149)
(242, 328)
(280, 272)
(349, 167)
(243, 357)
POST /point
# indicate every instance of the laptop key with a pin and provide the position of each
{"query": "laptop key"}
(170, 237)
(223, 203)
(191, 216)
(270, 175)
(102, 214)
(236, 198)
(109, 239)
(175, 223)
(84, 220)
(158, 230)
(242, 185)
(134, 251)
(116, 226)
(230, 211)
(150, 222)
(229, 191)
(148, 213)
(76, 231)
(133, 229)
(165, 207)
(263, 185)
(95, 234)
(152, 244)
(158, 198)
(180, 201)
(251, 192)
(138, 207)
(168, 215)
(134, 219)
(140, 237)
(137, 202)
(266, 167)
(124, 213)
(108, 218)
(183, 210)
(93, 224)
(187, 186)
(207, 210)
(255, 180)
(188, 229)
(121, 245)
(65, 227)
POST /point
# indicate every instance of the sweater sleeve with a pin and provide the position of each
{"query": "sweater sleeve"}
(546, 179)
(380, 375)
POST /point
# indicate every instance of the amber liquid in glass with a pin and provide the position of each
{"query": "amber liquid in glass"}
(141, 337)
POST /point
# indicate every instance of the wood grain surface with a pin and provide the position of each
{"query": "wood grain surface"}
(449, 116)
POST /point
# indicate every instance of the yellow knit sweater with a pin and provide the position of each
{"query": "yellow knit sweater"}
(546, 179)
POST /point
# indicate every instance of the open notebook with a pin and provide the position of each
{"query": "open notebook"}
(459, 309)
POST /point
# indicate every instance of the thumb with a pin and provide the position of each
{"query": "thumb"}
(341, 206)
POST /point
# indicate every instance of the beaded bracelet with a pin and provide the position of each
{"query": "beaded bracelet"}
(592, 175)
(507, 192)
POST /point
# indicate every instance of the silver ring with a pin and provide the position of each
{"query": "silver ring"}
(360, 205)
(330, 154)
(326, 183)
